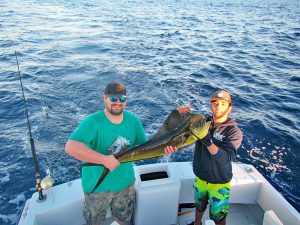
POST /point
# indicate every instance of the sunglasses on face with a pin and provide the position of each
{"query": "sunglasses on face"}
(115, 98)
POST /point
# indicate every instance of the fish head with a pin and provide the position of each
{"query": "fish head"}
(199, 125)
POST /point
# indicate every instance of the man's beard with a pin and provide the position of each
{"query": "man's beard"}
(115, 112)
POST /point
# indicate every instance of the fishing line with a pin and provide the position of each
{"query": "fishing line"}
(33, 151)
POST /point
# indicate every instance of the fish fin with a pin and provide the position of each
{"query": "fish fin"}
(104, 174)
(173, 121)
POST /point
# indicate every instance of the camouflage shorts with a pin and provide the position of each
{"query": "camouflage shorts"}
(121, 204)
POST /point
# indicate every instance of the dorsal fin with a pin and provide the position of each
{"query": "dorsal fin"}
(173, 121)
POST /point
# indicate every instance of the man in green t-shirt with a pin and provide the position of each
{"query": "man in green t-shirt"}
(95, 139)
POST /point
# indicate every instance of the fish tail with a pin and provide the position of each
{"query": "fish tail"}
(104, 174)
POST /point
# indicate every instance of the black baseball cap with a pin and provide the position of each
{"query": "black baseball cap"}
(115, 88)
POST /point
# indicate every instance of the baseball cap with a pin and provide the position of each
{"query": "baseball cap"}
(221, 94)
(115, 88)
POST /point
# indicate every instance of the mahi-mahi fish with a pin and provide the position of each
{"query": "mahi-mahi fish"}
(178, 130)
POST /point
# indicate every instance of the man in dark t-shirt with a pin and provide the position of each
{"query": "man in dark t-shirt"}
(212, 161)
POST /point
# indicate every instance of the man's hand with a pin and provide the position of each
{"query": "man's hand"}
(170, 149)
(111, 162)
(184, 109)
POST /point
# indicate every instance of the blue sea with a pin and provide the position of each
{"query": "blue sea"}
(169, 53)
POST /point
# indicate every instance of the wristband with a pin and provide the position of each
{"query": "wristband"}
(207, 142)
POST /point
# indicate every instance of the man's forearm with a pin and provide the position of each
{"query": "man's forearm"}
(82, 152)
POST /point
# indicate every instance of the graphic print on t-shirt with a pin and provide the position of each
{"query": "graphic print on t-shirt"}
(119, 144)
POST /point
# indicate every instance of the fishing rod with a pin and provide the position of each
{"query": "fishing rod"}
(34, 157)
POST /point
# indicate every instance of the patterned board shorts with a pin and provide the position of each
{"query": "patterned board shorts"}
(216, 194)
(121, 203)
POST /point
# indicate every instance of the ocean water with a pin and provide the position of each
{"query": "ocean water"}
(169, 53)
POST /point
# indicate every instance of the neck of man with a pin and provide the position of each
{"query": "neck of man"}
(221, 120)
(115, 119)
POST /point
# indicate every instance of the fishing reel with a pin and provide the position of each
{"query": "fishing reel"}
(47, 181)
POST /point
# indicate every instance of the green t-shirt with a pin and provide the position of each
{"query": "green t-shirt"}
(99, 134)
